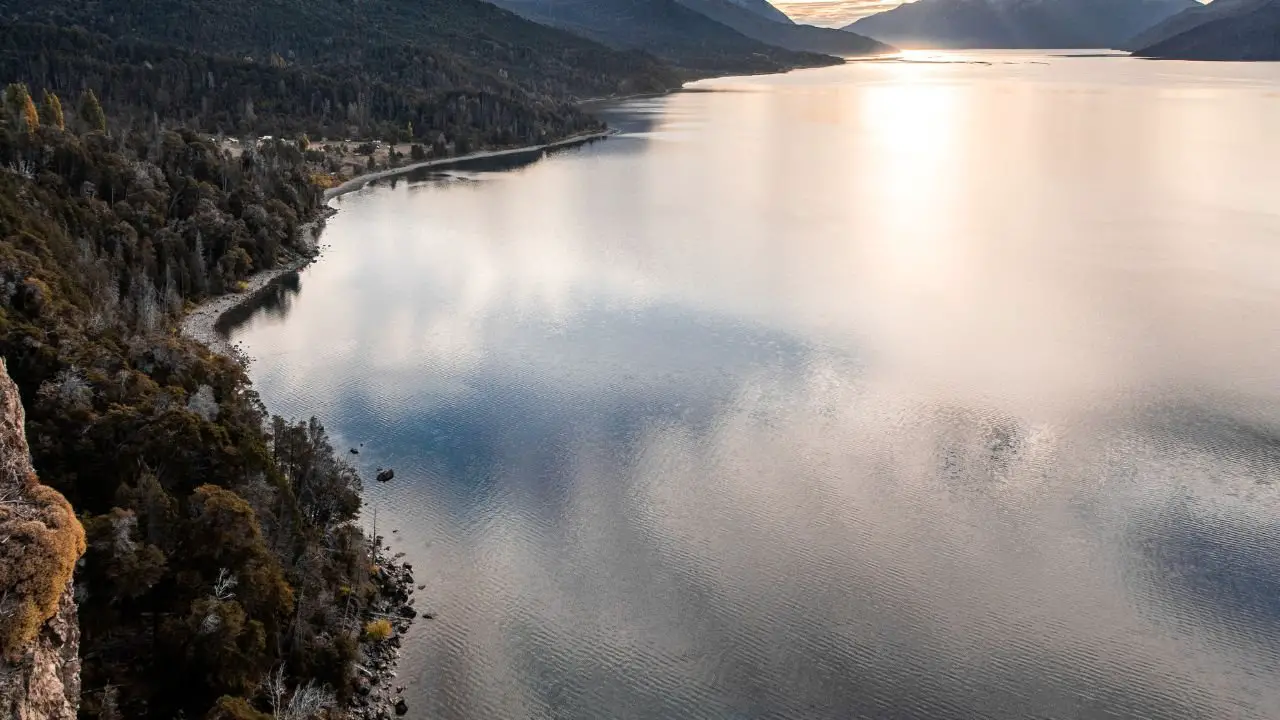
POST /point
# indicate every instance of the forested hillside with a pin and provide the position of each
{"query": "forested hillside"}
(473, 42)
(222, 544)
(420, 97)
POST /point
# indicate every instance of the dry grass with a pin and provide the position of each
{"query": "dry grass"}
(378, 630)
(40, 541)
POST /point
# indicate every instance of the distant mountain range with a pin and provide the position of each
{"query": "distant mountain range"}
(1221, 30)
(1017, 23)
(704, 36)
(665, 28)
(762, 26)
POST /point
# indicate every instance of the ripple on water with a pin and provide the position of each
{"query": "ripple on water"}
(867, 393)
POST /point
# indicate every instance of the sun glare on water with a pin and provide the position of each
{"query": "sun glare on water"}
(927, 55)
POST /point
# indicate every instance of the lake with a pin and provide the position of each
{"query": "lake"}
(946, 388)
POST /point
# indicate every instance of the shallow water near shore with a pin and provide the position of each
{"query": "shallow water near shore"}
(893, 390)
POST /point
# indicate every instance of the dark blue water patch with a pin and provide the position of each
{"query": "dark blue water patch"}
(1225, 569)
(663, 366)
(1249, 446)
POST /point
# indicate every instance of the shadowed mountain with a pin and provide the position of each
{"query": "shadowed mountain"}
(668, 29)
(764, 9)
(1247, 30)
(1188, 19)
(1017, 23)
(805, 38)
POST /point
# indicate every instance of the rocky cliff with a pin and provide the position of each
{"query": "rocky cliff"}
(40, 542)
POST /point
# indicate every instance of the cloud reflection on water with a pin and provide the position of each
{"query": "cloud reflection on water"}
(706, 423)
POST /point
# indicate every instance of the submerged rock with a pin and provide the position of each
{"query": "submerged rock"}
(385, 475)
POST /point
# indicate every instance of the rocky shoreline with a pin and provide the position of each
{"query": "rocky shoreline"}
(201, 323)
(377, 697)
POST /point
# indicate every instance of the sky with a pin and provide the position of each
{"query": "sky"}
(833, 13)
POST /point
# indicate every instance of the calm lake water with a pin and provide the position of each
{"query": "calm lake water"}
(894, 390)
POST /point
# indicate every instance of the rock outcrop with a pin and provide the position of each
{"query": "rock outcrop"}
(40, 542)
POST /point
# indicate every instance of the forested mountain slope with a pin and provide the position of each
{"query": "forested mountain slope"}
(417, 96)
(221, 545)
(474, 40)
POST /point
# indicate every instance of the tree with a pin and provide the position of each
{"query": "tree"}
(30, 117)
(51, 111)
(19, 105)
(91, 112)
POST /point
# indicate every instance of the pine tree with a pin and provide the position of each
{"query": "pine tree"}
(30, 116)
(19, 108)
(10, 104)
(91, 112)
(51, 111)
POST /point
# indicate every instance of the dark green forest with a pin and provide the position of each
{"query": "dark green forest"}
(463, 43)
(222, 543)
(147, 85)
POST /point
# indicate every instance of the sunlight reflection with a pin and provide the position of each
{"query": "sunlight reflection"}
(913, 126)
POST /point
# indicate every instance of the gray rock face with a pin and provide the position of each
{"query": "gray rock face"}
(40, 652)
(44, 684)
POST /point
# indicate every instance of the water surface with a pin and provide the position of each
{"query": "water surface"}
(894, 390)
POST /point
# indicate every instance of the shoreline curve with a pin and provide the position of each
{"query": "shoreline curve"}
(201, 322)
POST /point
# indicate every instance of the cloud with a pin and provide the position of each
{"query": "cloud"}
(834, 13)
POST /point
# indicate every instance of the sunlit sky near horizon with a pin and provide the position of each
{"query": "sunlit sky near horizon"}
(836, 13)
(833, 13)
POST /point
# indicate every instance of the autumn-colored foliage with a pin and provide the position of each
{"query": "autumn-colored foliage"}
(378, 630)
(216, 538)
(43, 540)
